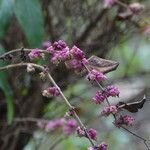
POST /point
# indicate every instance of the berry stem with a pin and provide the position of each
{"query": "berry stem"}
(55, 84)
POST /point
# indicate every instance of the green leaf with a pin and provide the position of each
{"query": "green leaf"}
(6, 12)
(29, 15)
(4, 85)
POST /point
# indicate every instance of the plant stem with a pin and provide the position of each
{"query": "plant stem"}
(19, 50)
(134, 134)
(54, 83)
(71, 107)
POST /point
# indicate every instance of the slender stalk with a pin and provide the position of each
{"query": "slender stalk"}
(134, 134)
(144, 140)
(35, 120)
(98, 85)
(63, 96)
(19, 50)
(54, 83)
(21, 65)
(71, 107)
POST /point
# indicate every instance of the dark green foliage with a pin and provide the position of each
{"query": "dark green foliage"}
(4, 85)
(5, 16)
(29, 15)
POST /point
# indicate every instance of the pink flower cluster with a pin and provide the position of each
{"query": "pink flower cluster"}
(96, 75)
(74, 58)
(77, 53)
(92, 133)
(124, 120)
(35, 54)
(59, 56)
(112, 91)
(109, 110)
(70, 127)
(51, 91)
(54, 124)
(67, 126)
(75, 64)
(59, 45)
(59, 51)
(77, 60)
(102, 146)
(100, 96)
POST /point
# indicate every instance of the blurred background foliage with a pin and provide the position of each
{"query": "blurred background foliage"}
(97, 31)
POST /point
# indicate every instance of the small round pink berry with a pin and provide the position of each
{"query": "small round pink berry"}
(70, 126)
(77, 53)
(109, 110)
(124, 120)
(112, 91)
(99, 97)
(35, 54)
(51, 91)
(80, 131)
(92, 133)
(96, 75)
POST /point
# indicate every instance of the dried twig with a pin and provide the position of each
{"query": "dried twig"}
(55, 84)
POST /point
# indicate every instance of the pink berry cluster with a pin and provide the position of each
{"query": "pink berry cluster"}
(102, 146)
(67, 126)
(92, 133)
(75, 59)
(51, 91)
(101, 96)
(109, 110)
(35, 54)
(96, 75)
(124, 120)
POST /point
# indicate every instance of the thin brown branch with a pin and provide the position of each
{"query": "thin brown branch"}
(54, 83)
(134, 134)
(21, 65)
(19, 50)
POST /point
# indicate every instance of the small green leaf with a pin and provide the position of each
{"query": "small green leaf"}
(4, 85)
(29, 15)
